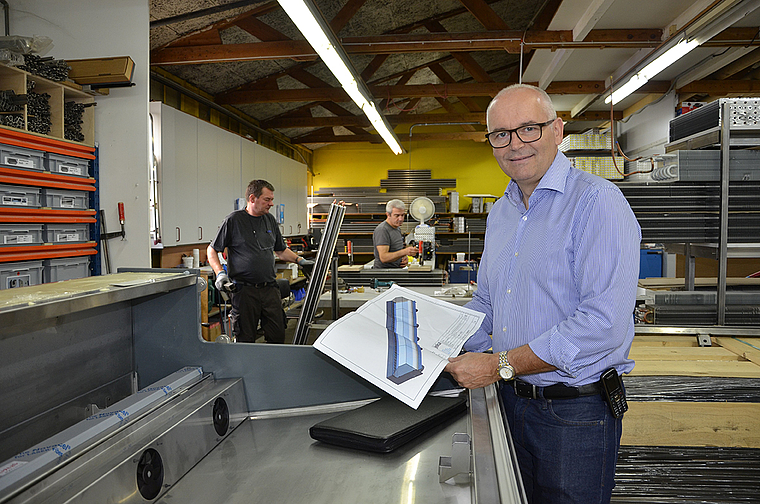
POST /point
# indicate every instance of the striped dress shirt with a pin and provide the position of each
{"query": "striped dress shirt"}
(560, 276)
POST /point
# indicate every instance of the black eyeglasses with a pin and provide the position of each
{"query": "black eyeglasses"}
(527, 134)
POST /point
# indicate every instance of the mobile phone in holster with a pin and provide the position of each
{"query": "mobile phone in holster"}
(614, 393)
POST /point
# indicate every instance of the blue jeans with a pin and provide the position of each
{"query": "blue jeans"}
(566, 448)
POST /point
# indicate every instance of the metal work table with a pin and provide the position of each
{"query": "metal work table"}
(354, 300)
(119, 339)
(273, 459)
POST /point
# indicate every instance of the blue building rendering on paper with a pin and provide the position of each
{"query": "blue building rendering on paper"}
(404, 353)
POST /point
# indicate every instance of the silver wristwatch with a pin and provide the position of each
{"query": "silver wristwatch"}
(506, 371)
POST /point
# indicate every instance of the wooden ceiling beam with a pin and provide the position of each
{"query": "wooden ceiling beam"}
(260, 30)
(476, 136)
(485, 14)
(345, 14)
(721, 87)
(227, 23)
(414, 91)
(207, 37)
(405, 43)
(307, 121)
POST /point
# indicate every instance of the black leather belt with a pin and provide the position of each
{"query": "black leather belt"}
(557, 391)
(261, 285)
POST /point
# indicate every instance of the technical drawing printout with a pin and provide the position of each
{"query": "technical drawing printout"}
(362, 341)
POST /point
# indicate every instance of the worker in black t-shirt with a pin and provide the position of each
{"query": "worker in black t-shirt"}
(252, 239)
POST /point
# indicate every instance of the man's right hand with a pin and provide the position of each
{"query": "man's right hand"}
(411, 251)
(221, 281)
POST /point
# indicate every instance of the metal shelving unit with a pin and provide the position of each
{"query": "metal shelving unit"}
(725, 138)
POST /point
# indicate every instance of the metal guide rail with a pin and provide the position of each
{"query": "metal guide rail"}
(133, 451)
(188, 448)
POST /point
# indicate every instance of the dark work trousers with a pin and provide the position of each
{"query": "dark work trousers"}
(251, 304)
(566, 448)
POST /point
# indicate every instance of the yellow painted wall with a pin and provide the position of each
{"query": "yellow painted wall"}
(471, 164)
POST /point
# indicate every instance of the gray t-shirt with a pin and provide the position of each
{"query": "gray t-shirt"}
(250, 243)
(385, 234)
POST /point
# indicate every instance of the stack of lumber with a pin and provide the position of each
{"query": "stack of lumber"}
(720, 419)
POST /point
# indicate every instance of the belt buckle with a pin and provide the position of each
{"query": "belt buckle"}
(533, 388)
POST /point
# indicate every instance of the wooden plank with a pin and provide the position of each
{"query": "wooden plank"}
(355, 267)
(742, 347)
(645, 340)
(643, 353)
(736, 369)
(662, 423)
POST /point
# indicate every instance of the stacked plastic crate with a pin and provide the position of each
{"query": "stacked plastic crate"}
(45, 188)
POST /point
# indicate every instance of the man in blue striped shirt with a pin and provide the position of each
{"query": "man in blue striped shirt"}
(557, 283)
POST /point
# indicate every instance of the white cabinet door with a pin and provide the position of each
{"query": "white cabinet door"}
(293, 184)
(165, 147)
(186, 181)
(228, 176)
(267, 168)
(208, 168)
(248, 168)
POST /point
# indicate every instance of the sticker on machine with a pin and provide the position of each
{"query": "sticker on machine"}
(11, 466)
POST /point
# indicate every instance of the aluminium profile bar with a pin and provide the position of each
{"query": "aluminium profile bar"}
(319, 274)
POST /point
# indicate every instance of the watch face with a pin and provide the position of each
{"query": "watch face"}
(507, 373)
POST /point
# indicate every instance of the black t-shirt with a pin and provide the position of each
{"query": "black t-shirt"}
(250, 242)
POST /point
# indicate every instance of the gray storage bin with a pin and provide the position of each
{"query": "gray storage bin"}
(60, 198)
(65, 268)
(66, 233)
(67, 165)
(19, 157)
(19, 196)
(21, 234)
(20, 274)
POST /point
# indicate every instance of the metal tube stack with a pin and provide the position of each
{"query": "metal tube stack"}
(319, 274)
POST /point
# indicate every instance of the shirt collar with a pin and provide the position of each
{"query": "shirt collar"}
(555, 179)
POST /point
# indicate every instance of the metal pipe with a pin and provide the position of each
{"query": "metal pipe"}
(7, 14)
(202, 99)
(199, 13)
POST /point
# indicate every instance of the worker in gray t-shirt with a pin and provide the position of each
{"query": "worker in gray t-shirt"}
(387, 240)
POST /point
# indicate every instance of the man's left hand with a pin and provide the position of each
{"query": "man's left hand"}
(474, 370)
(307, 265)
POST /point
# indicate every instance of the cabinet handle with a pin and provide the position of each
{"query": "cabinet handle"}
(299, 227)
(200, 233)
(178, 233)
(291, 228)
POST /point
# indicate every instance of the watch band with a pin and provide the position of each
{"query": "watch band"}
(505, 369)
(503, 361)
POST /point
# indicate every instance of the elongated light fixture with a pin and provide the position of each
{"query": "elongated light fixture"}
(641, 77)
(310, 23)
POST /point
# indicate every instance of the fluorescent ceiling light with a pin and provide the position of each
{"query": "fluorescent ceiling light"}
(305, 20)
(648, 72)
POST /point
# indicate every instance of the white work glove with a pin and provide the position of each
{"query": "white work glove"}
(221, 281)
(307, 265)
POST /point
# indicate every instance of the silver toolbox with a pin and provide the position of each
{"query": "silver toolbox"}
(67, 165)
(65, 268)
(19, 157)
(20, 196)
(66, 233)
(60, 198)
(21, 234)
(20, 274)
